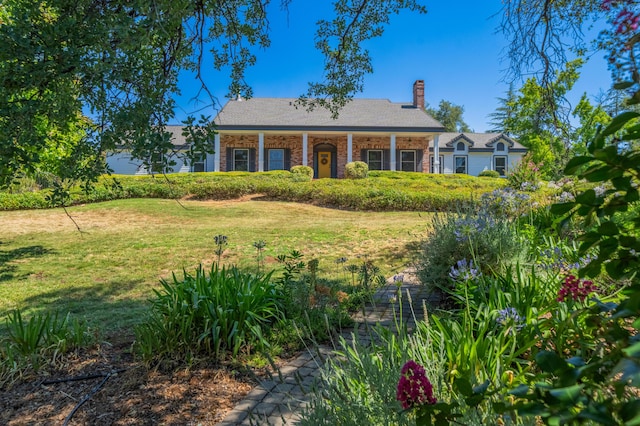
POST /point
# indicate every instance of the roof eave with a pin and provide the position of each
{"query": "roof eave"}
(381, 129)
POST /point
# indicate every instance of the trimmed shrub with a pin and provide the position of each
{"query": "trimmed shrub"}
(302, 173)
(489, 173)
(356, 170)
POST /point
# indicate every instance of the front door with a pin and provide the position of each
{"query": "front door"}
(324, 164)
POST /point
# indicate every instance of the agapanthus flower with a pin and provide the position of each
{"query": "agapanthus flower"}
(414, 389)
(509, 316)
(464, 271)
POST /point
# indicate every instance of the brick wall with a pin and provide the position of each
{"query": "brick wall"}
(294, 144)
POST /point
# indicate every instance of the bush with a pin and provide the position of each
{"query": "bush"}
(210, 314)
(473, 241)
(489, 173)
(302, 173)
(356, 170)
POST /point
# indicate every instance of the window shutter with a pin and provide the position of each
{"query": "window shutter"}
(398, 160)
(363, 155)
(419, 154)
(229, 159)
(265, 153)
(287, 159)
(386, 154)
(252, 160)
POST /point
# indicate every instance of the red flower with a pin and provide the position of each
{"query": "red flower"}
(575, 289)
(414, 388)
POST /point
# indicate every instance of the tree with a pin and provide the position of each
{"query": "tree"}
(118, 62)
(545, 129)
(450, 116)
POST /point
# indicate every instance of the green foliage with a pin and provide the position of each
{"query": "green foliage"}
(450, 116)
(383, 191)
(215, 314)
(534, 116)
(359, 386)
(302, 173)
(356, 170)
(41, 341)
(121, 62)
(489, 173)
(486, 236)
(525, 176)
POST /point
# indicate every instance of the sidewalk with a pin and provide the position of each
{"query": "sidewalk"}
(279, 401)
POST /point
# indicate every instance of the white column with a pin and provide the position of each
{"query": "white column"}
(216, 154)
(349, 148)
(392, 149)
(305, 142)
(261, 152)
(436, 155)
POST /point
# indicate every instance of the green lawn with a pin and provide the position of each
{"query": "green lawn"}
(106, 272)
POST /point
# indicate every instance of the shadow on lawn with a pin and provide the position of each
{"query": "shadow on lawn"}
(104, 305)
(7, 269)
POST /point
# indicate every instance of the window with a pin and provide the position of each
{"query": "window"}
(276, 159)
(156, 161)
(408, 161)
(198, 164)
(460, 163)
(375, 159)
(440, 167)
(460, 146)
(500, 165)
(241, 160)
(499, 146)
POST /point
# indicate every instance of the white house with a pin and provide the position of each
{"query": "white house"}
(261, 134)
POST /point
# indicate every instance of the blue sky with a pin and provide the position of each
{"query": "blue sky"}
(455, 48)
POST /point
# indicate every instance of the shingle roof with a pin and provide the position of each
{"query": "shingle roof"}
(478, 140)
(177, 139)
(359, 114)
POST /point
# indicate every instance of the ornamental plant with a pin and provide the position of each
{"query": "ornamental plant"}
(576, 289)
(414, 388)
(356, 170)
(581, 387)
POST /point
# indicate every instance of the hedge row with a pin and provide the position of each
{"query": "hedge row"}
(382, 191)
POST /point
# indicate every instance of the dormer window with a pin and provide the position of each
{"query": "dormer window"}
(499, 146)
(460, 146)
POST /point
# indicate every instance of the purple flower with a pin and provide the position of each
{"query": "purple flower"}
(509, 316)
(464, 271)
(414, 388)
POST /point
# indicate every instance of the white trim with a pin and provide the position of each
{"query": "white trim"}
(261, 152)
(349, 148)
(436, 155)
(392, 154)
(216, 154)
(305, 149)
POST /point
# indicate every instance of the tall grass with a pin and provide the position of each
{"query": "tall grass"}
(212, 314)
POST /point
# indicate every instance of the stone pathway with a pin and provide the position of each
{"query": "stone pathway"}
(278, 401)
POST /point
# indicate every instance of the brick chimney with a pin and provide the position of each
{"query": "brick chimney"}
(418, 94)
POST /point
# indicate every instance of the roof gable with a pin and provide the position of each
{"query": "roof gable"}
(479, 140)
(460, 138)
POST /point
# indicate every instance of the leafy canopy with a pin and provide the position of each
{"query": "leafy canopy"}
(450, 116)
(117, 62)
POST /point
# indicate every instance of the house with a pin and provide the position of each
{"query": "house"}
(262, 134)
